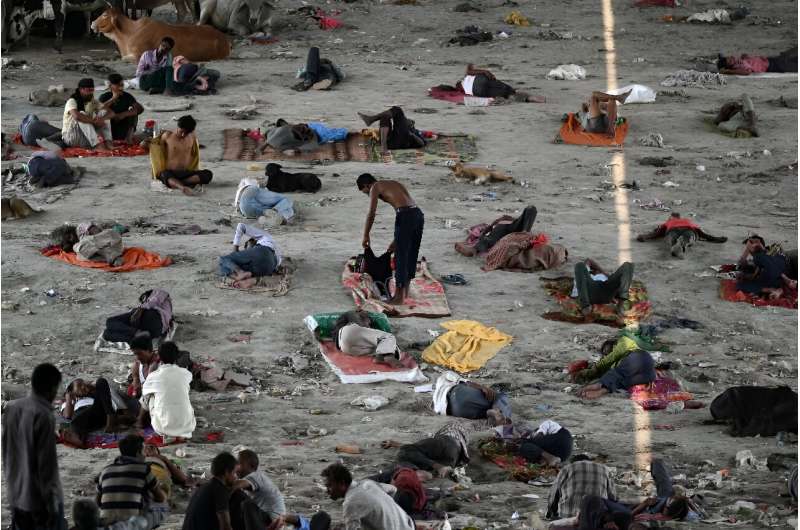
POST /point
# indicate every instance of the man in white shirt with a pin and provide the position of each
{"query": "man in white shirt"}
(260, 257)
(593, 285)
(483, 84)
(165, 398)
(367, 504)
(85, 124)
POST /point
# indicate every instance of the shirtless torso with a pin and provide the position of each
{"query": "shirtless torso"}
(389, 191)
(179, 149)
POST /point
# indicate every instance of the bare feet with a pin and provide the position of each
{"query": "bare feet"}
(247, 283)
(102, 147)
(624, 96)
(389, 444)
(367, 120)
(187, 190)
(443, 471)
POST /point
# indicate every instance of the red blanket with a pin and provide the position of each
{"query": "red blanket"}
(447, 94)
(658, 394)
(120, 148)
(106, 440)
(134, 259)
(728, 291)
(572, 133)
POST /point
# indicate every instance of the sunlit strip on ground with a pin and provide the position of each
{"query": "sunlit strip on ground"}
(617, 163)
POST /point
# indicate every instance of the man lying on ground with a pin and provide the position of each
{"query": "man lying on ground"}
(253, 201)
(127, 487)
(292, 139)
(353, 334)
(85, 123)
(575, 481)
(90, 242)
(636, 367)
(593, 285)
(93, 407)
(181, 155)
(318, 74)
(599, 115)
(408, 225)
(154, 71)
(34, 129)
(446, 449)
(746, 64)
(123, 108)
(190, 78)
(260, 257)
(483, 84)
(396, 131)
(550, 444)
(666, 502)
(455, 396)
(679, 234)
(152, 318)
(165, 399)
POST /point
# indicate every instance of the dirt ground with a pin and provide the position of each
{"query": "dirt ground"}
(391, 56)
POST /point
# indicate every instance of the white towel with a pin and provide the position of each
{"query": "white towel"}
(445, 382)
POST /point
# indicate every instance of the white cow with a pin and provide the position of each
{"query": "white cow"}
(242, 17)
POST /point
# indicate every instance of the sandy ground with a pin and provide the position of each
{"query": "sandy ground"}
(392, 57)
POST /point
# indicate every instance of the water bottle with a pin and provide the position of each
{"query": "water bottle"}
(156, 129)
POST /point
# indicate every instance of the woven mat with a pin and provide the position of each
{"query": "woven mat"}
(278, 284)
(638, 309)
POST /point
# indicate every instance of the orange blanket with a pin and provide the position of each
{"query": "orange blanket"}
(134, 259)
(572, 133)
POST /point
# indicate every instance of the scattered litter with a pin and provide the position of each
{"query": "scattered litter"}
(652, 140)
(670, 184)
(639, 94)
(242, 113)
(701, 168)
(470, 36)
(652, 204)
(567, 72)
(712, 16)
(370, 403)
(693, 78)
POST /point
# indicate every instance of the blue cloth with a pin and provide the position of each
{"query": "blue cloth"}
(255, 200)
(327, 134)
(769, 275)
(465, 401)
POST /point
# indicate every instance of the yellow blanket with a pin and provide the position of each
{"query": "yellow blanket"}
(158, 157)
(466, 346)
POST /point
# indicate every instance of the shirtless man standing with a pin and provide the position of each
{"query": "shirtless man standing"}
(179, 148)
(408, 225)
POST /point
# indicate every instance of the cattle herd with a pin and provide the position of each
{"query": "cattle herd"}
(242, 17)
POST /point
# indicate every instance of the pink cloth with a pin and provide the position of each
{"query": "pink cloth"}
(752, 64)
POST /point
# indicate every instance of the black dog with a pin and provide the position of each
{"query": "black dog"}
(757, 410)
(281, 182)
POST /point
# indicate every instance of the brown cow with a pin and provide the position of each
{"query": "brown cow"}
(134, 37)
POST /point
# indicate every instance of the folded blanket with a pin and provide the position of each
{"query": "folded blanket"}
(728, 291)
(639, 307)
(466, 346)
(524, 251)
(361, 369)
(572, 133)
(279, 284)
(518, 468)
(134, 259)
(426, 294)
(660, 393)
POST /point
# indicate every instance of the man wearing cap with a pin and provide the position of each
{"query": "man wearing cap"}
(84, 124)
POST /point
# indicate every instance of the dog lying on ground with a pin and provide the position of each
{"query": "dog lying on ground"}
(479, 175)
(14, 208)
(757, 410)
(281, 182)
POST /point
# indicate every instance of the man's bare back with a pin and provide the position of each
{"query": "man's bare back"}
(392, 192)
(179, 149)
